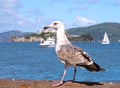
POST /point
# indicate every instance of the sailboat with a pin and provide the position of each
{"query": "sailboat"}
(105, 39)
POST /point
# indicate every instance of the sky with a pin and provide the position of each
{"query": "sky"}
(33, 15)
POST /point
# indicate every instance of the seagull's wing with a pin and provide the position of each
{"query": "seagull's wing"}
(73, 55)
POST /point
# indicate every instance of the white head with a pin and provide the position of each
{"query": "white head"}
(55, 25)
(61, 36)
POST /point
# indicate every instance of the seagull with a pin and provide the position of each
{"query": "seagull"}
(70, 55)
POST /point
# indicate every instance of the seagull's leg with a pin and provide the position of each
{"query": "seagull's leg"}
(75, 69)
(64, 74)
(61, 81)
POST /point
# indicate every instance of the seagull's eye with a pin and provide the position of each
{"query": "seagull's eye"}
(55, 23)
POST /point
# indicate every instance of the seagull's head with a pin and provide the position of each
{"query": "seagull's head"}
(55, 25)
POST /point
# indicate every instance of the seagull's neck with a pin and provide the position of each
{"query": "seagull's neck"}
(61, 38)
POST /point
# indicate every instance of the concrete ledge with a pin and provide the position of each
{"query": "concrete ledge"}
(46, 84)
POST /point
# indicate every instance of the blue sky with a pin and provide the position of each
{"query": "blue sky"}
(33, 15)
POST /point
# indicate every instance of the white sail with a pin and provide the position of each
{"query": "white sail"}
(105, 39)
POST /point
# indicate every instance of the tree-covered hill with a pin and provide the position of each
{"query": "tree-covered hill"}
(90, 33)
(97, 31)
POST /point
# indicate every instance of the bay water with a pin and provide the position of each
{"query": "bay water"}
(28, 61)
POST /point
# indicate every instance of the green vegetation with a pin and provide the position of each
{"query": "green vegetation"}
(90, 33)
(83, 37)
(97, 31)
(43, 35)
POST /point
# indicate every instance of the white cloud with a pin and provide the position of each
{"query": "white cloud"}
(8, 13)
(79, 22)
(9, 4)
(11, 19)
(33, 19)
(82, 21)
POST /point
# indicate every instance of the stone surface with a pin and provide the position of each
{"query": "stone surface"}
(47, 84)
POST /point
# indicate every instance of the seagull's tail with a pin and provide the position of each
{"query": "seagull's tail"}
(94, 67)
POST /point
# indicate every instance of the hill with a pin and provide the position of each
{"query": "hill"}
(6, 36)
(97, 31)
(89, 33)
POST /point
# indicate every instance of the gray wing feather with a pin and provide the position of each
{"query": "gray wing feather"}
(73, 55)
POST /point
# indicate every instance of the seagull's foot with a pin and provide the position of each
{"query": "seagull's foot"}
(56, 83)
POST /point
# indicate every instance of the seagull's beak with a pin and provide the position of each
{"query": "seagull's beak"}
(49, 26)
(46, 27)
